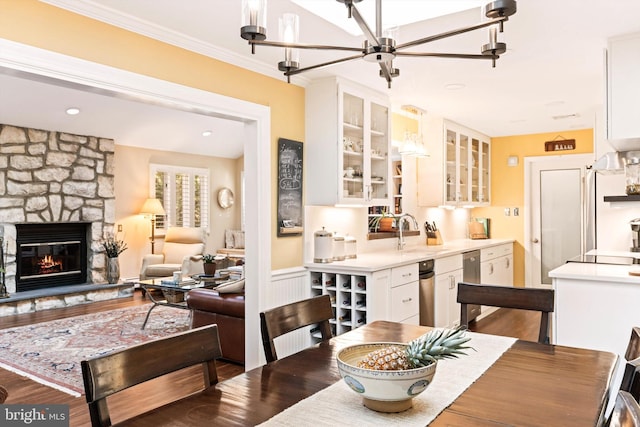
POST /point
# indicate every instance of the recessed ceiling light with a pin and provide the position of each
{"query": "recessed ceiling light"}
(455, 86)
(207, 133)
(566, 116)
(554, 104)
(73, 111)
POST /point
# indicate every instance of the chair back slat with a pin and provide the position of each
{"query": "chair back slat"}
(631, 377)
(626, 412)
(113, 372)
(287, 318)
(534, 299)
(633, 348)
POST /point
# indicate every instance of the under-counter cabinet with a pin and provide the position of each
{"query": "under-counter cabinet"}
(496, 265)
(448, 273)
(347, 147)
(457, 173)
(405, 305)
(357, 298)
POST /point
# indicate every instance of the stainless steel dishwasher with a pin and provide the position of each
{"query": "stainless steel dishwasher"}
(471, 274)
(427, 292)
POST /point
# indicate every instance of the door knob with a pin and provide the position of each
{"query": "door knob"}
(535, 240)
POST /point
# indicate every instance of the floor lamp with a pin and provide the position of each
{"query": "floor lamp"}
(152, 207)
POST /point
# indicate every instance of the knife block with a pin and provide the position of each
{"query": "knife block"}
(434, 238)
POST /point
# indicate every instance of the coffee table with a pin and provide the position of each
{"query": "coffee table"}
(173, 294)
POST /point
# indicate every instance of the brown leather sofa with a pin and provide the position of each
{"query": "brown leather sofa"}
(227, 311)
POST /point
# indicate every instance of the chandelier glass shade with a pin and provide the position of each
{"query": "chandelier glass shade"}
(379, 46)
(413, 144)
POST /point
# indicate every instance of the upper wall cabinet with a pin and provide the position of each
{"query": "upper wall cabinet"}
(457, 172)
(623, 91)
(347, 145)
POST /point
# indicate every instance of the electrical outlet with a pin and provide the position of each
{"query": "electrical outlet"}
(516, 211)
(507, 211)
(119, 228)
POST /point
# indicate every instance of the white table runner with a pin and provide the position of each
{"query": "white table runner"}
(339, 405)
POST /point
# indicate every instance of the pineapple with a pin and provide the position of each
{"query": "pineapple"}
(423, 351)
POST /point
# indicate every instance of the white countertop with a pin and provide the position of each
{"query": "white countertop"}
(374, 261)
(596, 272)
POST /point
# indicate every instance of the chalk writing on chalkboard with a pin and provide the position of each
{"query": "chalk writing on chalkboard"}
(290, 212)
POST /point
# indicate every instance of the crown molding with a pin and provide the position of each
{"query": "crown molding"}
(131, 23)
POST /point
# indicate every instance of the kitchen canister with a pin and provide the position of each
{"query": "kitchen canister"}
(350, 247)
(338, 248)
(322, 246)
(632, 173)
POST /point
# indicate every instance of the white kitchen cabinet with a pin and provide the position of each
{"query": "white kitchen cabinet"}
(347, 147)
(448, 273)
(623, 88)
(405, 305)
(496, 265)
(358, 298)
(457, 173)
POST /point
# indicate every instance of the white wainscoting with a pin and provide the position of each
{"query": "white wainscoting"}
(289, 285)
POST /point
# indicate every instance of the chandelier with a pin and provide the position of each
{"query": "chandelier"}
(378, 47)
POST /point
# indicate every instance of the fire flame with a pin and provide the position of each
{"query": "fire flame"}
(47, 264)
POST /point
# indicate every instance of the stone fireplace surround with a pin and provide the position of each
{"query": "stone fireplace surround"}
(49, 176)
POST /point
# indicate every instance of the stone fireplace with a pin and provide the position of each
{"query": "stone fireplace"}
(55, 179)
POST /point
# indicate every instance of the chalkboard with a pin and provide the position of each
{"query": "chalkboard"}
(290, 212)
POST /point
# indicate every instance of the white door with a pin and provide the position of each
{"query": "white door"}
(553, 213)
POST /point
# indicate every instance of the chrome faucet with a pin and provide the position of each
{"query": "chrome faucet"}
(405, 216)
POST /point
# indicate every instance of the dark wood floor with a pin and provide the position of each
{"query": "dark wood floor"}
(138, 399)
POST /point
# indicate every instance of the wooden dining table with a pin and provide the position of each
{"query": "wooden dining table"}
(530, 384)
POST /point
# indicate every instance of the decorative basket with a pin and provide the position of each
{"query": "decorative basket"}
(173, 296)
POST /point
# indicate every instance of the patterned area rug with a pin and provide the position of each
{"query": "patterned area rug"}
(50, 352)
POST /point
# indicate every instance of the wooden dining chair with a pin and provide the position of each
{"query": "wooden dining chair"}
(626, 412)
(287, 318)
(631, 377)
(113, 372)
(535, 299)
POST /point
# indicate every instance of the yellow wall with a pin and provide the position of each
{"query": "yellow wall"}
(400, 124)
(132, 188)
(37, 24)
(507, 184)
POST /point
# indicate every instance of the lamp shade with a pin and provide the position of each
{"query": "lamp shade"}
(152, 207)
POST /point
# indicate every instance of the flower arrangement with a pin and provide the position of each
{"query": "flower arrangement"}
(113, 246)
(208, 258)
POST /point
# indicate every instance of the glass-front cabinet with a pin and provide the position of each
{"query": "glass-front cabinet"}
(461, 168)
(347, 144)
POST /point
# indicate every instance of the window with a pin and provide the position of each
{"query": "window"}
(184, 193)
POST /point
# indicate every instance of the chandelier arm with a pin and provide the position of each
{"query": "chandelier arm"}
(451, 33)
(448, 55)
(371, 37)
(386, 72)
(324, 64)
(303, 45)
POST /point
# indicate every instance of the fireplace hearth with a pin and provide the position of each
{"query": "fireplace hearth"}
(50, 255)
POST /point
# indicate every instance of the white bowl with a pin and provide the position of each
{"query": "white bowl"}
(384, 391)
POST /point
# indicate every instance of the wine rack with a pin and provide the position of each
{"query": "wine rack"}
(348, 294)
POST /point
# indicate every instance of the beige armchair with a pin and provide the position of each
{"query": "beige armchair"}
(182, 251)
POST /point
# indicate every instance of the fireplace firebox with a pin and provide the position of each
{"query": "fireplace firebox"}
(50, 255)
